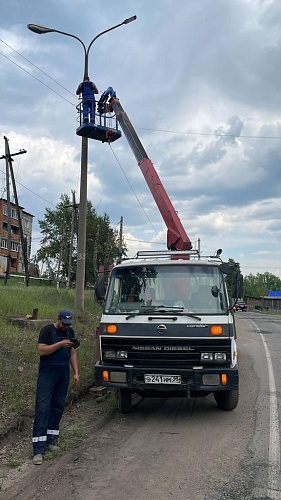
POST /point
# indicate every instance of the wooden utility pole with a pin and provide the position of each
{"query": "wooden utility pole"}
(8, 266)
(120, 246)
(73, 213)
(60, 259)
(8, 158)
(95, 257)
(107, 266)
(199, 248)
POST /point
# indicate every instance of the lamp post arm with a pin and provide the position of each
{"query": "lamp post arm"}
(100, 34)
(86, 69)
(73, 36)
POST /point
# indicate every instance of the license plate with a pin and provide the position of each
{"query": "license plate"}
(162, 379)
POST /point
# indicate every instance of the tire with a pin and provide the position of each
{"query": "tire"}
(227, 400)
(124, 400)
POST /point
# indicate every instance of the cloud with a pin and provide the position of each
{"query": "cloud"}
(199, 83)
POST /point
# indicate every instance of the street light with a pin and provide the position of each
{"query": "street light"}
(81, 246)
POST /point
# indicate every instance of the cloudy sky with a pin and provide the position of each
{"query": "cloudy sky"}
(199, 79)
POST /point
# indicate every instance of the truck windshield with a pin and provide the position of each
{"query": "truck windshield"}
(183, 288)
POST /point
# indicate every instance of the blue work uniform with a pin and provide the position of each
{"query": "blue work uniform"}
(52, 386)
(89, 103)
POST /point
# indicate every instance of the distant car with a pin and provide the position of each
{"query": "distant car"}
(241, 306)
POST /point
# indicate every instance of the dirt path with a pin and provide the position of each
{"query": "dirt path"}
(16, 469)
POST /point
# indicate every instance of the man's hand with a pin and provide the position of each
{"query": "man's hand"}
(46, 349)
(66, 343)
(76, 379)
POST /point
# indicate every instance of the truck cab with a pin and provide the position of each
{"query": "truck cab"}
(167, 329)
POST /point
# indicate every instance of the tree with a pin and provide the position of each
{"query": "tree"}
(56, 228)
(229, 278)
(260, 284)
(55, 245)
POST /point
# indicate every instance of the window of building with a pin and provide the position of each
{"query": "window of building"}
(26, 224)
(14, 229)
(14, 246)
(13, 212)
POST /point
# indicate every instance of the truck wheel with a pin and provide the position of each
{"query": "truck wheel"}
(227, 400)
(124, 400)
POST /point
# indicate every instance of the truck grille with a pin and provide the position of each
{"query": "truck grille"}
(167, 353)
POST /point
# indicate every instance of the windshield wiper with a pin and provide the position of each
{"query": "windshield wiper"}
(190, 315)
(163, 309)
(166, 309)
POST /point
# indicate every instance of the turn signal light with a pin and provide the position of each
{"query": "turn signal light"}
(224, 379)
(111, 328)
(105, 376)
(216, 330)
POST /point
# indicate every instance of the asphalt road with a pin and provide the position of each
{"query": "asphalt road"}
(182, 449)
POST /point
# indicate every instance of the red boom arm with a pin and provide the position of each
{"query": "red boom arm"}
(177, 238)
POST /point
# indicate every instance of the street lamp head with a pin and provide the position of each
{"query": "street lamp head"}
(40, 30)
(130, 19)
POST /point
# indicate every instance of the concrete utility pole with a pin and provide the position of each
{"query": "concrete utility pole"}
(9, 166)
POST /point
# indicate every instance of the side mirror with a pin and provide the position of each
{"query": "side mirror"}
(100, 290)
(226, 268)
(237, 286)
(215, 291)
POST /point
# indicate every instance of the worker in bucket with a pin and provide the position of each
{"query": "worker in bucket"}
(57, 349)
(88, 90)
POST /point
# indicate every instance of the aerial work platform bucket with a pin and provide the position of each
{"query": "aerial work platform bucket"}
(103, 127)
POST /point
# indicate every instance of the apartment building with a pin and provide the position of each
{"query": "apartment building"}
(17, 262)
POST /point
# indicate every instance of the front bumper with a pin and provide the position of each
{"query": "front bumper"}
(191, 378)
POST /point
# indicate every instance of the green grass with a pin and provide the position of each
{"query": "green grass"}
(18, 355)
(19, 300)
(13, 464)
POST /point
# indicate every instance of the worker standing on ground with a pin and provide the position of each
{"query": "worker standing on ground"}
(57, 349)
(88, 90)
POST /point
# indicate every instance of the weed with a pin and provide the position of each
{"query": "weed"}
(13, 464)
(69, 436)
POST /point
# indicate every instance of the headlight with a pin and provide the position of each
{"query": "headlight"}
(110, 354)
(206, 356)
(122, 354)
(220, 356)
(213, 356)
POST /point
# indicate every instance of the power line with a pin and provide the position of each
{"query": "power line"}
(212, 134)
(143, 241)
(35, 78)
(30, 190)
(34, 65)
